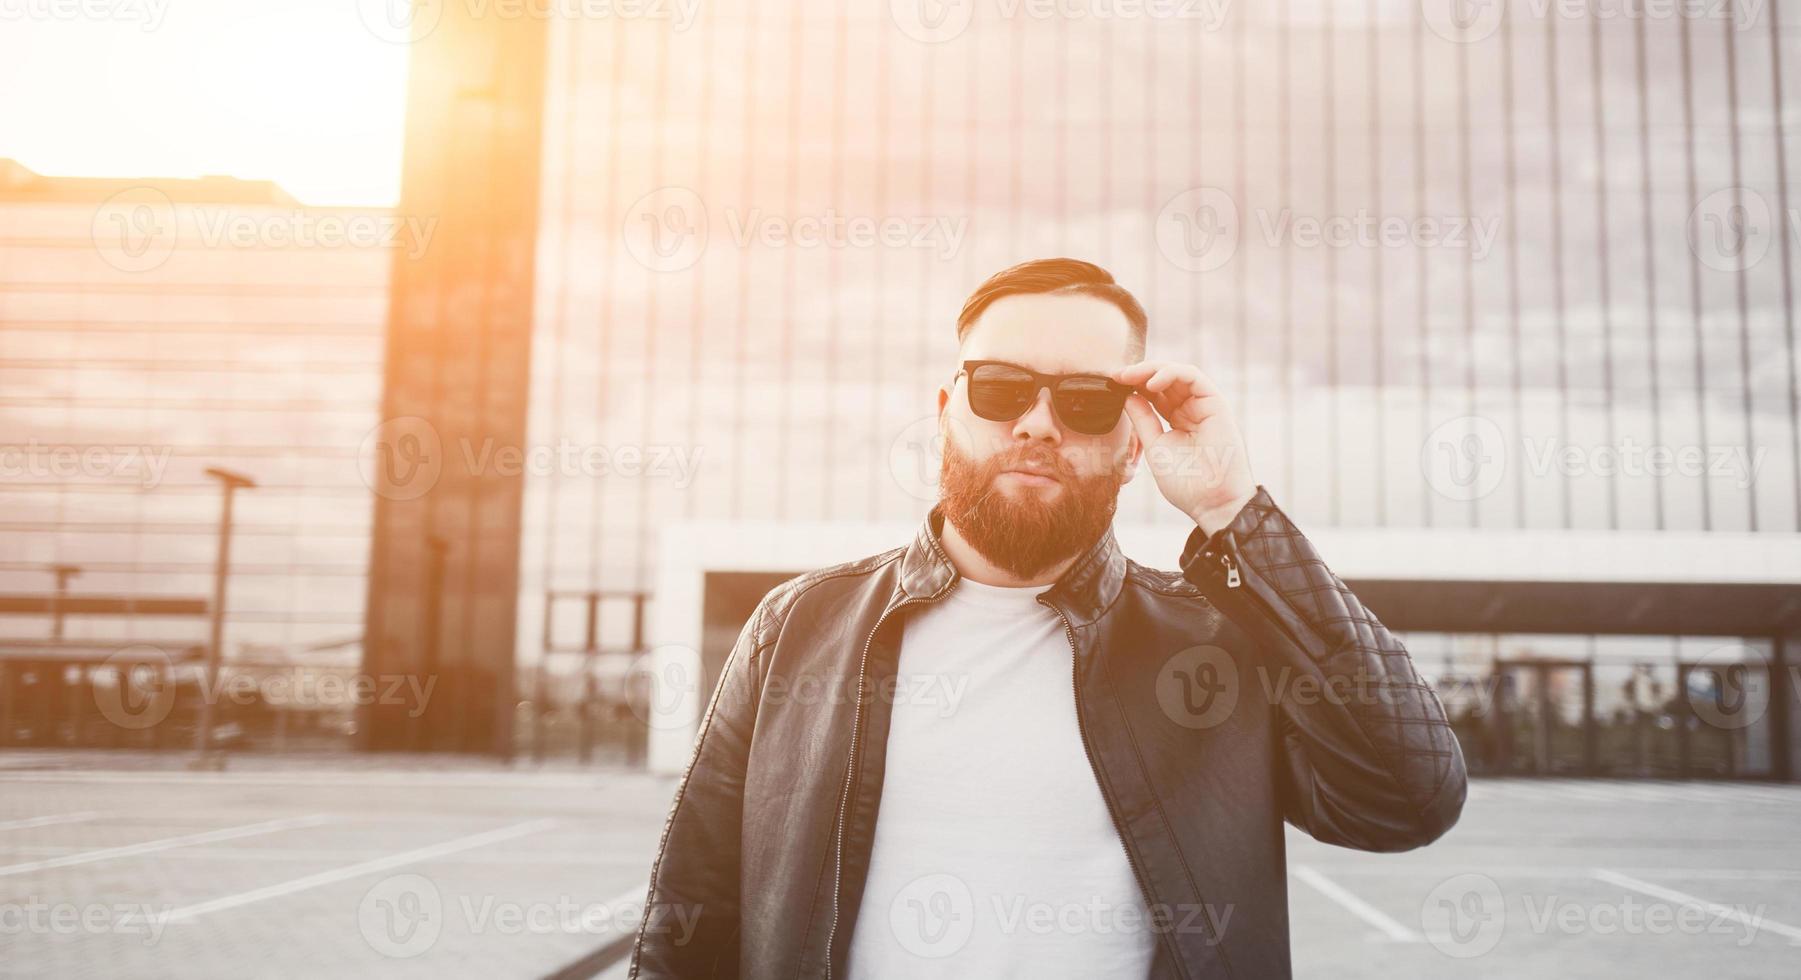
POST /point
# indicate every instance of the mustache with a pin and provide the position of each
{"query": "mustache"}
(1037, 457)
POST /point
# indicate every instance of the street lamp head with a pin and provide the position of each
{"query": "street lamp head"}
(230, 478)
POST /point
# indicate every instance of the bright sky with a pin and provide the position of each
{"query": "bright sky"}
(296, 91)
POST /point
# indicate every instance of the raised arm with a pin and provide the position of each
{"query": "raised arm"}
(1372, 762)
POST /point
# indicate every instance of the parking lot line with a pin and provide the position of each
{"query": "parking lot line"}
(188, 913)
(1356, 906)
(48, 821)
(1683, 898)
(163, 844)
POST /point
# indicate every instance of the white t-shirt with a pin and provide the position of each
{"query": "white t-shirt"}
(994, 854)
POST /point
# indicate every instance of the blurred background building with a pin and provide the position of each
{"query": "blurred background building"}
(150, 329)
(1503, 294)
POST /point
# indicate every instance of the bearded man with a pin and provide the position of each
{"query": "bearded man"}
(1104, 793)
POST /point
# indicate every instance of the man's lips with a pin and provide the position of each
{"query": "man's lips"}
(1033, 476)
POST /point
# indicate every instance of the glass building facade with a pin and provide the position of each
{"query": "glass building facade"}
(150, 330)
(1564, 237)
(1500, 267)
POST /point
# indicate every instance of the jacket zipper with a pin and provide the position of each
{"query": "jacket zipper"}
(1231, 567)
(1075, 682)
(856, 736)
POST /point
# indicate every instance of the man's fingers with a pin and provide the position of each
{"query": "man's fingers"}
(1144, 420)
(1159, 375)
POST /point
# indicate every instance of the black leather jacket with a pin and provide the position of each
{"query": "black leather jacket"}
(1249, 689)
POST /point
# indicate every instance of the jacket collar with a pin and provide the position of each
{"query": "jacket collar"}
(1084, 591)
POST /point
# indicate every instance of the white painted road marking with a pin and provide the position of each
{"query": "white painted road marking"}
(1683, 898)
(50, 820)
(1357, 906)
(163, 844)
(188, 913)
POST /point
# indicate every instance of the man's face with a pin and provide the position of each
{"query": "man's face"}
(1029, 493)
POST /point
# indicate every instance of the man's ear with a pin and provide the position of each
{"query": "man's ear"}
(944, 399)
(1134, 452)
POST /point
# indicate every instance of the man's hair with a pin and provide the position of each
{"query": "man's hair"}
(1056, 276)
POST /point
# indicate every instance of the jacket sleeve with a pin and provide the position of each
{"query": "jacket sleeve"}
(691, 910)
(1368, 758)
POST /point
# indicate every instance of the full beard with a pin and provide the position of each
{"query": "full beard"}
(1025, 533)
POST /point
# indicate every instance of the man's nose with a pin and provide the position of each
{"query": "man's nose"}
(1040, 421)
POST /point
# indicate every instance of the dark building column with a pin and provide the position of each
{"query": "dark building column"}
(455, 385)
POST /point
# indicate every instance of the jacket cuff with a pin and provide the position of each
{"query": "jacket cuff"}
(1241, 526)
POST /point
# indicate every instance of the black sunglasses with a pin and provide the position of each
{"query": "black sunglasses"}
(1001, 391)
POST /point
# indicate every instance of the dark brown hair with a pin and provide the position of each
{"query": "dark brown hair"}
(1055, 276)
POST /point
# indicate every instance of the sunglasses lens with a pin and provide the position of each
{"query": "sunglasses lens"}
(1090, 406)
(999, 393)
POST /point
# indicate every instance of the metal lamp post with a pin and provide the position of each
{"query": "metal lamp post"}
(63, 574)
(230, 482)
